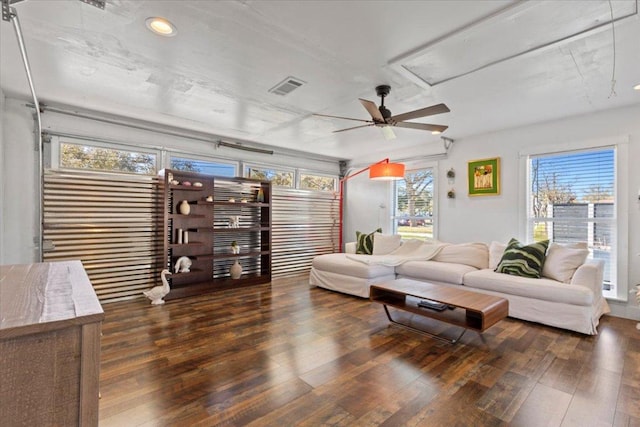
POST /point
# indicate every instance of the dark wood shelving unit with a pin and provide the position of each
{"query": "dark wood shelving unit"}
(210, 234)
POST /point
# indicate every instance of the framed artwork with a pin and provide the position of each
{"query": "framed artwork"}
(484, 177)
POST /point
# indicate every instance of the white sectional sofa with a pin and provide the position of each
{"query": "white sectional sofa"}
(576, 305)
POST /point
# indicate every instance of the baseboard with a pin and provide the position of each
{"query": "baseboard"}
(624, 310)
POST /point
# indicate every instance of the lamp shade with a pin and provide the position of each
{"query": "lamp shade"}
(386, 171)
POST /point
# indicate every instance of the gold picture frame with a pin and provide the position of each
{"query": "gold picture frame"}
(484, 177)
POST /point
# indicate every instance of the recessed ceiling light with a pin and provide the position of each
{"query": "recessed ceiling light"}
(161, 26)
(636, 87)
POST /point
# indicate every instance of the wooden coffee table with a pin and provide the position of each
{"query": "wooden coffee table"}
(469, 310)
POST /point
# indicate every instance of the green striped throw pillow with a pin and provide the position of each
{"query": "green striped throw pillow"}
(364, 242)
(523, 260)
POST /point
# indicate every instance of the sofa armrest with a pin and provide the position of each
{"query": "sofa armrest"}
(590, 275)
(350, 248)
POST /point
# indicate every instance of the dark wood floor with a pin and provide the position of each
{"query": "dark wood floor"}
(285, 354)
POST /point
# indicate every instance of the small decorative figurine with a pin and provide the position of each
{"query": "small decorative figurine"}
(184, 207)
(236, 270)
(156, 293)
(183, 265)
(234, 222)
(235, 248)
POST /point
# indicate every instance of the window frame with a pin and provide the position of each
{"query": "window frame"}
(56, 151)
(300, 172)
(621, 166)
(203, 158)
(393, 218)
(246, 166)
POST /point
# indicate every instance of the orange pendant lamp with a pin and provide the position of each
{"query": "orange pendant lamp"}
(386, 171)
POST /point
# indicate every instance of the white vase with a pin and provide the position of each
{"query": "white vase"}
(184, 207)
(235, 270)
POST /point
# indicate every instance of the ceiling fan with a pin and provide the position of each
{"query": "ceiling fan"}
(381, 116)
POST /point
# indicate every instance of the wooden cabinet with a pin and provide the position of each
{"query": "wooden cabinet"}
(221, 211)
(50, 321)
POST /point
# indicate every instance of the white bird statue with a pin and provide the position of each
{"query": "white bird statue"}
(183, 265)
(156, 293)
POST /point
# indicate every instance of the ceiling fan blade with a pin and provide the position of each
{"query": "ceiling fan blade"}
(355, 127)
(423, 112)
(421, 126)
(339, 117)
(372, 108)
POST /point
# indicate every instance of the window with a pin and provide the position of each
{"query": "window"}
(203, 166)
(317, 182)
(414, 205)
(81, 156)
(280, 178)
(572, 198)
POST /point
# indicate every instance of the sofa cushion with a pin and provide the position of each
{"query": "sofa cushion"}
(364, 242)
(339, 263)
(496, 249)
(436, 271)
(563, 260)
(385, 243)
(523, 260)
(541, 289)
(473, 254)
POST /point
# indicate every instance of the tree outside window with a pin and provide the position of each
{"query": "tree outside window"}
(317, 182)
(77, 156)
(572, 200)
(277, 178)
(203, 166)
(414, 205)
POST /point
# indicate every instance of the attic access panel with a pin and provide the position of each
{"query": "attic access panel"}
(514, 31)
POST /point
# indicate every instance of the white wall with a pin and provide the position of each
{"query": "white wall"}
(2, 180)
(488, 218)
(367, 206)
(20, 185)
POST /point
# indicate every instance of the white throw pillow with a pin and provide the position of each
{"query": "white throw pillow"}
(563, 260)
(496, 249)
(473, 254)
(385, 243)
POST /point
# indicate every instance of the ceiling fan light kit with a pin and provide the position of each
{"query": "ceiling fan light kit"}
(382, 117)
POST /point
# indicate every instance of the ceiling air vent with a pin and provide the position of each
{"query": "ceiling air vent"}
(286, 86)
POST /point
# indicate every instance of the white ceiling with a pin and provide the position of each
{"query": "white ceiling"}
(496, 64)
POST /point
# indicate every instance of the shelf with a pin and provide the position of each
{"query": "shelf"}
(182, 245)
(185, 188)
(235, 230)
(191, 272)
(210, 237)
(218, 284)
(232, 256)
(252, 204)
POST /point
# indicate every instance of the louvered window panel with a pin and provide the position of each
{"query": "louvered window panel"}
(111, 223)
(305, 224)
